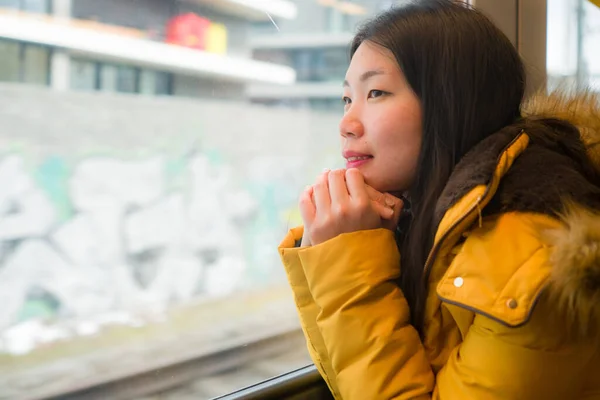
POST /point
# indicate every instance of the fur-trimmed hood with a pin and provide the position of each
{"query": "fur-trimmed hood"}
(582, 110)
(558, 174)
(575, 279)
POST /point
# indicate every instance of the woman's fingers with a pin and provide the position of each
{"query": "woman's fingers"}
(307, 206)
(379, 197)
(392, 222)
(338, 191)
(356, 186)
(384, 211)
(387, 206)
(340, 202)
(381, 203)
(321, 192)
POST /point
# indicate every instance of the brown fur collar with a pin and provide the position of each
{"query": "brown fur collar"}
(575, 279)
(558, 175)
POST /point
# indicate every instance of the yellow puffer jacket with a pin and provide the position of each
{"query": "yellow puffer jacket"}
(513, 310)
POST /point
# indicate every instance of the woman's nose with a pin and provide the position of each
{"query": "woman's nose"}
(350, 125)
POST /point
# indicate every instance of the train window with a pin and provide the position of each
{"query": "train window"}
(573, 40)
(153, 154)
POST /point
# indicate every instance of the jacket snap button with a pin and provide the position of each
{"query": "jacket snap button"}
(511, 303)
(458, 282)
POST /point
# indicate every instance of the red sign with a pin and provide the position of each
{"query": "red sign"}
(188, 30)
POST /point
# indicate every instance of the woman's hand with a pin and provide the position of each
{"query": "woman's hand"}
(341, 202)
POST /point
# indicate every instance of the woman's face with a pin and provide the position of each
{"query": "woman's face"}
(381, 128)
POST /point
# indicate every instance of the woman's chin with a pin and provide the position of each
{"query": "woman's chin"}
(383, 187)
(375, 184)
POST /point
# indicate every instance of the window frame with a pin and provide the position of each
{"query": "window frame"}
(303, 383)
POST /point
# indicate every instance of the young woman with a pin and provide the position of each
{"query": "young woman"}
(458, 254)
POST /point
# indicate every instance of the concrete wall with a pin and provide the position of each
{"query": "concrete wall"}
(127, 202)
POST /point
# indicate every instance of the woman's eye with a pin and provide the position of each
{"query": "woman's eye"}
(376, 93)
(346, 100)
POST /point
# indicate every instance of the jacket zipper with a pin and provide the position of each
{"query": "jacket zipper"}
(433, 253)
(436, 248)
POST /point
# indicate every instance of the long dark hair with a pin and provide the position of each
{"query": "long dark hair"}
(470, 81)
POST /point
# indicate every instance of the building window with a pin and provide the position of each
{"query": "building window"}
(24, 62)
(92, 75)
(36, 6)
(337, 21)
(108, 78)
(36, 64)
(10, 54)
(164, 83)
(147, 81)
(127, 79)
(319, 65)
(154, 83)
(84, 75)
(15, 4)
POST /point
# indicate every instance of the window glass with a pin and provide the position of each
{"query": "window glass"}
(108, 77)
(154, 83)
(10, 65)
(573, 39)
(84, 74)
(127, 79)
(14, 4)
(163, 83)
(148, 82)
(145, 193)
(37, 6)
(139, 226)
(36, 63)
(331, 64)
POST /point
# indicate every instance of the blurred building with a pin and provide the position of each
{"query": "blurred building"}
(229, 49)
(120, 45)
(319, 56)
(290, 53)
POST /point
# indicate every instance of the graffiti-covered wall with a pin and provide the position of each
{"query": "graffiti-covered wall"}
(116, 202)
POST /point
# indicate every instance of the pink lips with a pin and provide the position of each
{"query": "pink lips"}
(355, 160)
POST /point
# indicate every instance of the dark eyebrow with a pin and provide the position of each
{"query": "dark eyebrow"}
(367, 75)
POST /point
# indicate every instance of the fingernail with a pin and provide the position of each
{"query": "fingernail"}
(389, 202)
(390, 212)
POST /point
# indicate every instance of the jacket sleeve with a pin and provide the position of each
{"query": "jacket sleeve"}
(364, 319)
(306, 307)
(376, 354)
